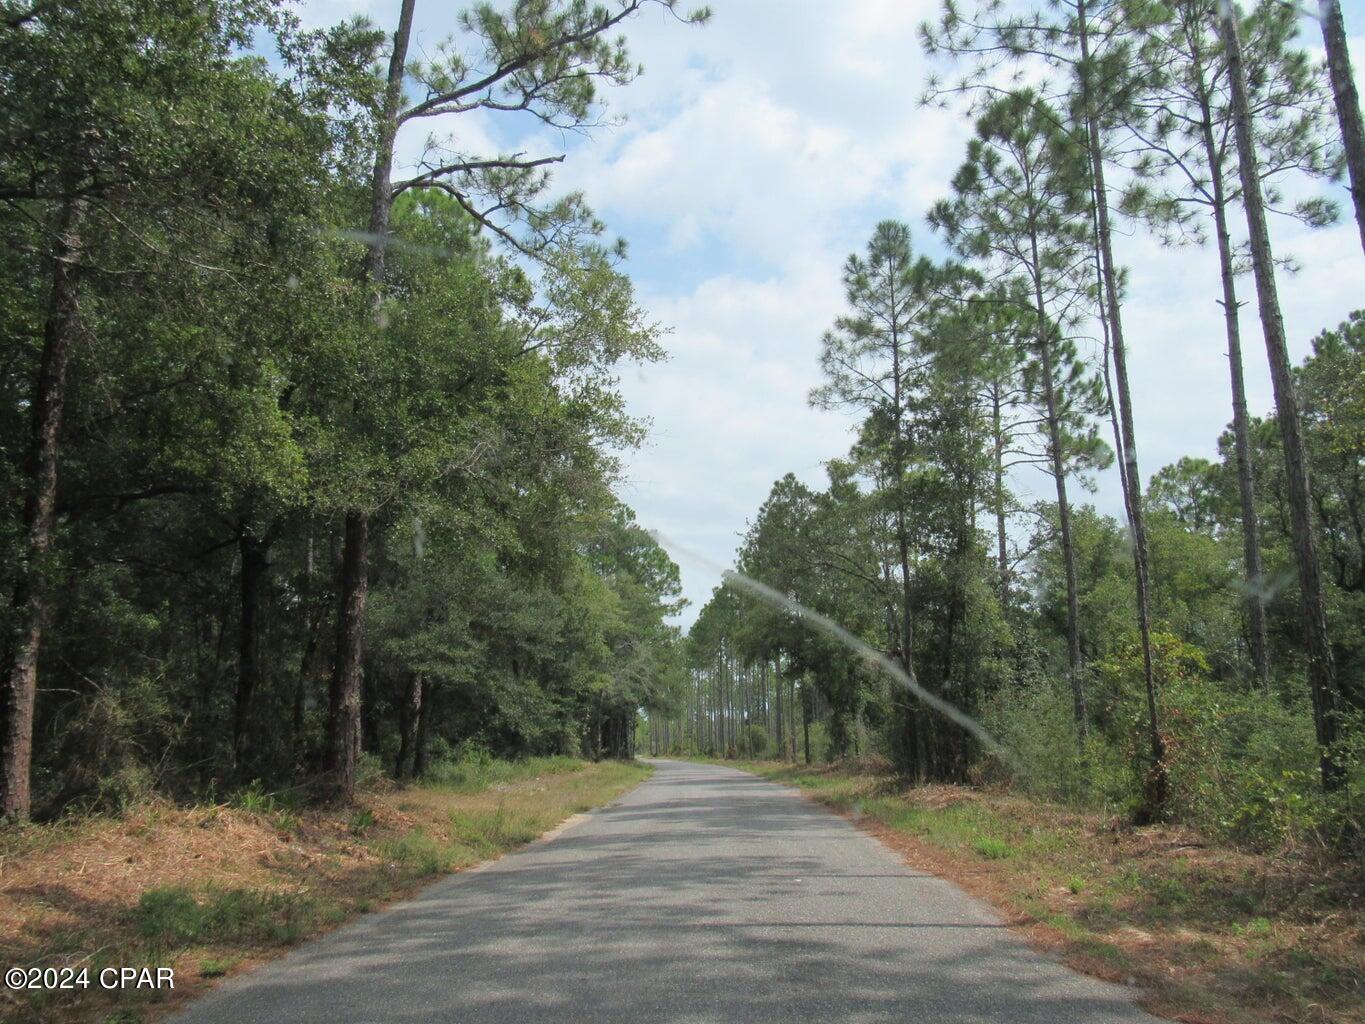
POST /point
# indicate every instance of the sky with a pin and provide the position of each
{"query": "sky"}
(756, 153)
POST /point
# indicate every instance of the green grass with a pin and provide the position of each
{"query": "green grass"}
(423, 854)
(475, 832)
(1210, 930)
(492, 832)
(173, 917)
(255, 799)
(354, 860)
(214, 967)
(993, 849)
(473, 775)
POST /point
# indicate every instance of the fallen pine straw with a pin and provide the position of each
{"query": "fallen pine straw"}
(211, 890)
(1210, 934)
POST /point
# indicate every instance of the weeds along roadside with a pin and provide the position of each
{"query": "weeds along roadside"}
(213, 889)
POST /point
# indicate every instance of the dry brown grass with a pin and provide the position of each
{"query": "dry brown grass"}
(1212, 935)
(70, 891)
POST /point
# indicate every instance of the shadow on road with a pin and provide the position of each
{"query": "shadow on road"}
(705, 895)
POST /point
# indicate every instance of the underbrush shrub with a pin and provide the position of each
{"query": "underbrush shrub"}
(1242, 763)
(471, 768)
(820, 746)
(111, 739)
(255, 798)
(1245, 765)
(1044, 754)
(465, 767)
(370, 771)
(754, 741)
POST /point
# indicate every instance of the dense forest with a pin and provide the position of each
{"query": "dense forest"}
(1200, 661)
(321, 397)
(307, 451)
(310, 437)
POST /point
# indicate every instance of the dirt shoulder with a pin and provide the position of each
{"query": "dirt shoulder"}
(1211, 935)
(211, 890)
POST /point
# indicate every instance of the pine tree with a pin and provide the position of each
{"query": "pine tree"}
(1184, 161)
(1019, 209)
(874, 359)
(1347, 103)
(1322, 677)
(542, 58)
(1092, 40)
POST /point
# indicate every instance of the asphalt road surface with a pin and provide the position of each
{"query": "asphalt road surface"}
(703, 895)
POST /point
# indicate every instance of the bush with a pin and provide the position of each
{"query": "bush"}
(370, 771)
(168, 916)
(253, 799)
(754, 741)
(103, 762)
(1044, 755)
(1242, 764)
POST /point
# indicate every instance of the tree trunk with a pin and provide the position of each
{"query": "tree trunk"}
(1241, 420)
(1156, 781)
(1347, 102)
(764, 701)
(254, 566)
(409, 711)
(309, 646)
(344, 697)
(1321, 668)
(1001, 549)
(805, 719)
(728, 704)
(369, 715)
(424, 716)
(777, 698)
(914, 751)
(1102, 307)
(1054, 428)
(17, 702)
(310, 652)
(346, 681)
(746, 715)
(207, 728)
(381, 187)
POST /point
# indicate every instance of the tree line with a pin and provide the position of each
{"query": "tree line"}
(308, 449)
(1200, 659)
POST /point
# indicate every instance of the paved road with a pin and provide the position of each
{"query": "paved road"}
(703, 895)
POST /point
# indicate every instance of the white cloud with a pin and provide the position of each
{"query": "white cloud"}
(757, 153)
(729, 409)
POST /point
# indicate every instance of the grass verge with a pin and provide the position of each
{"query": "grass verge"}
(1211, 935)
(210, 890)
